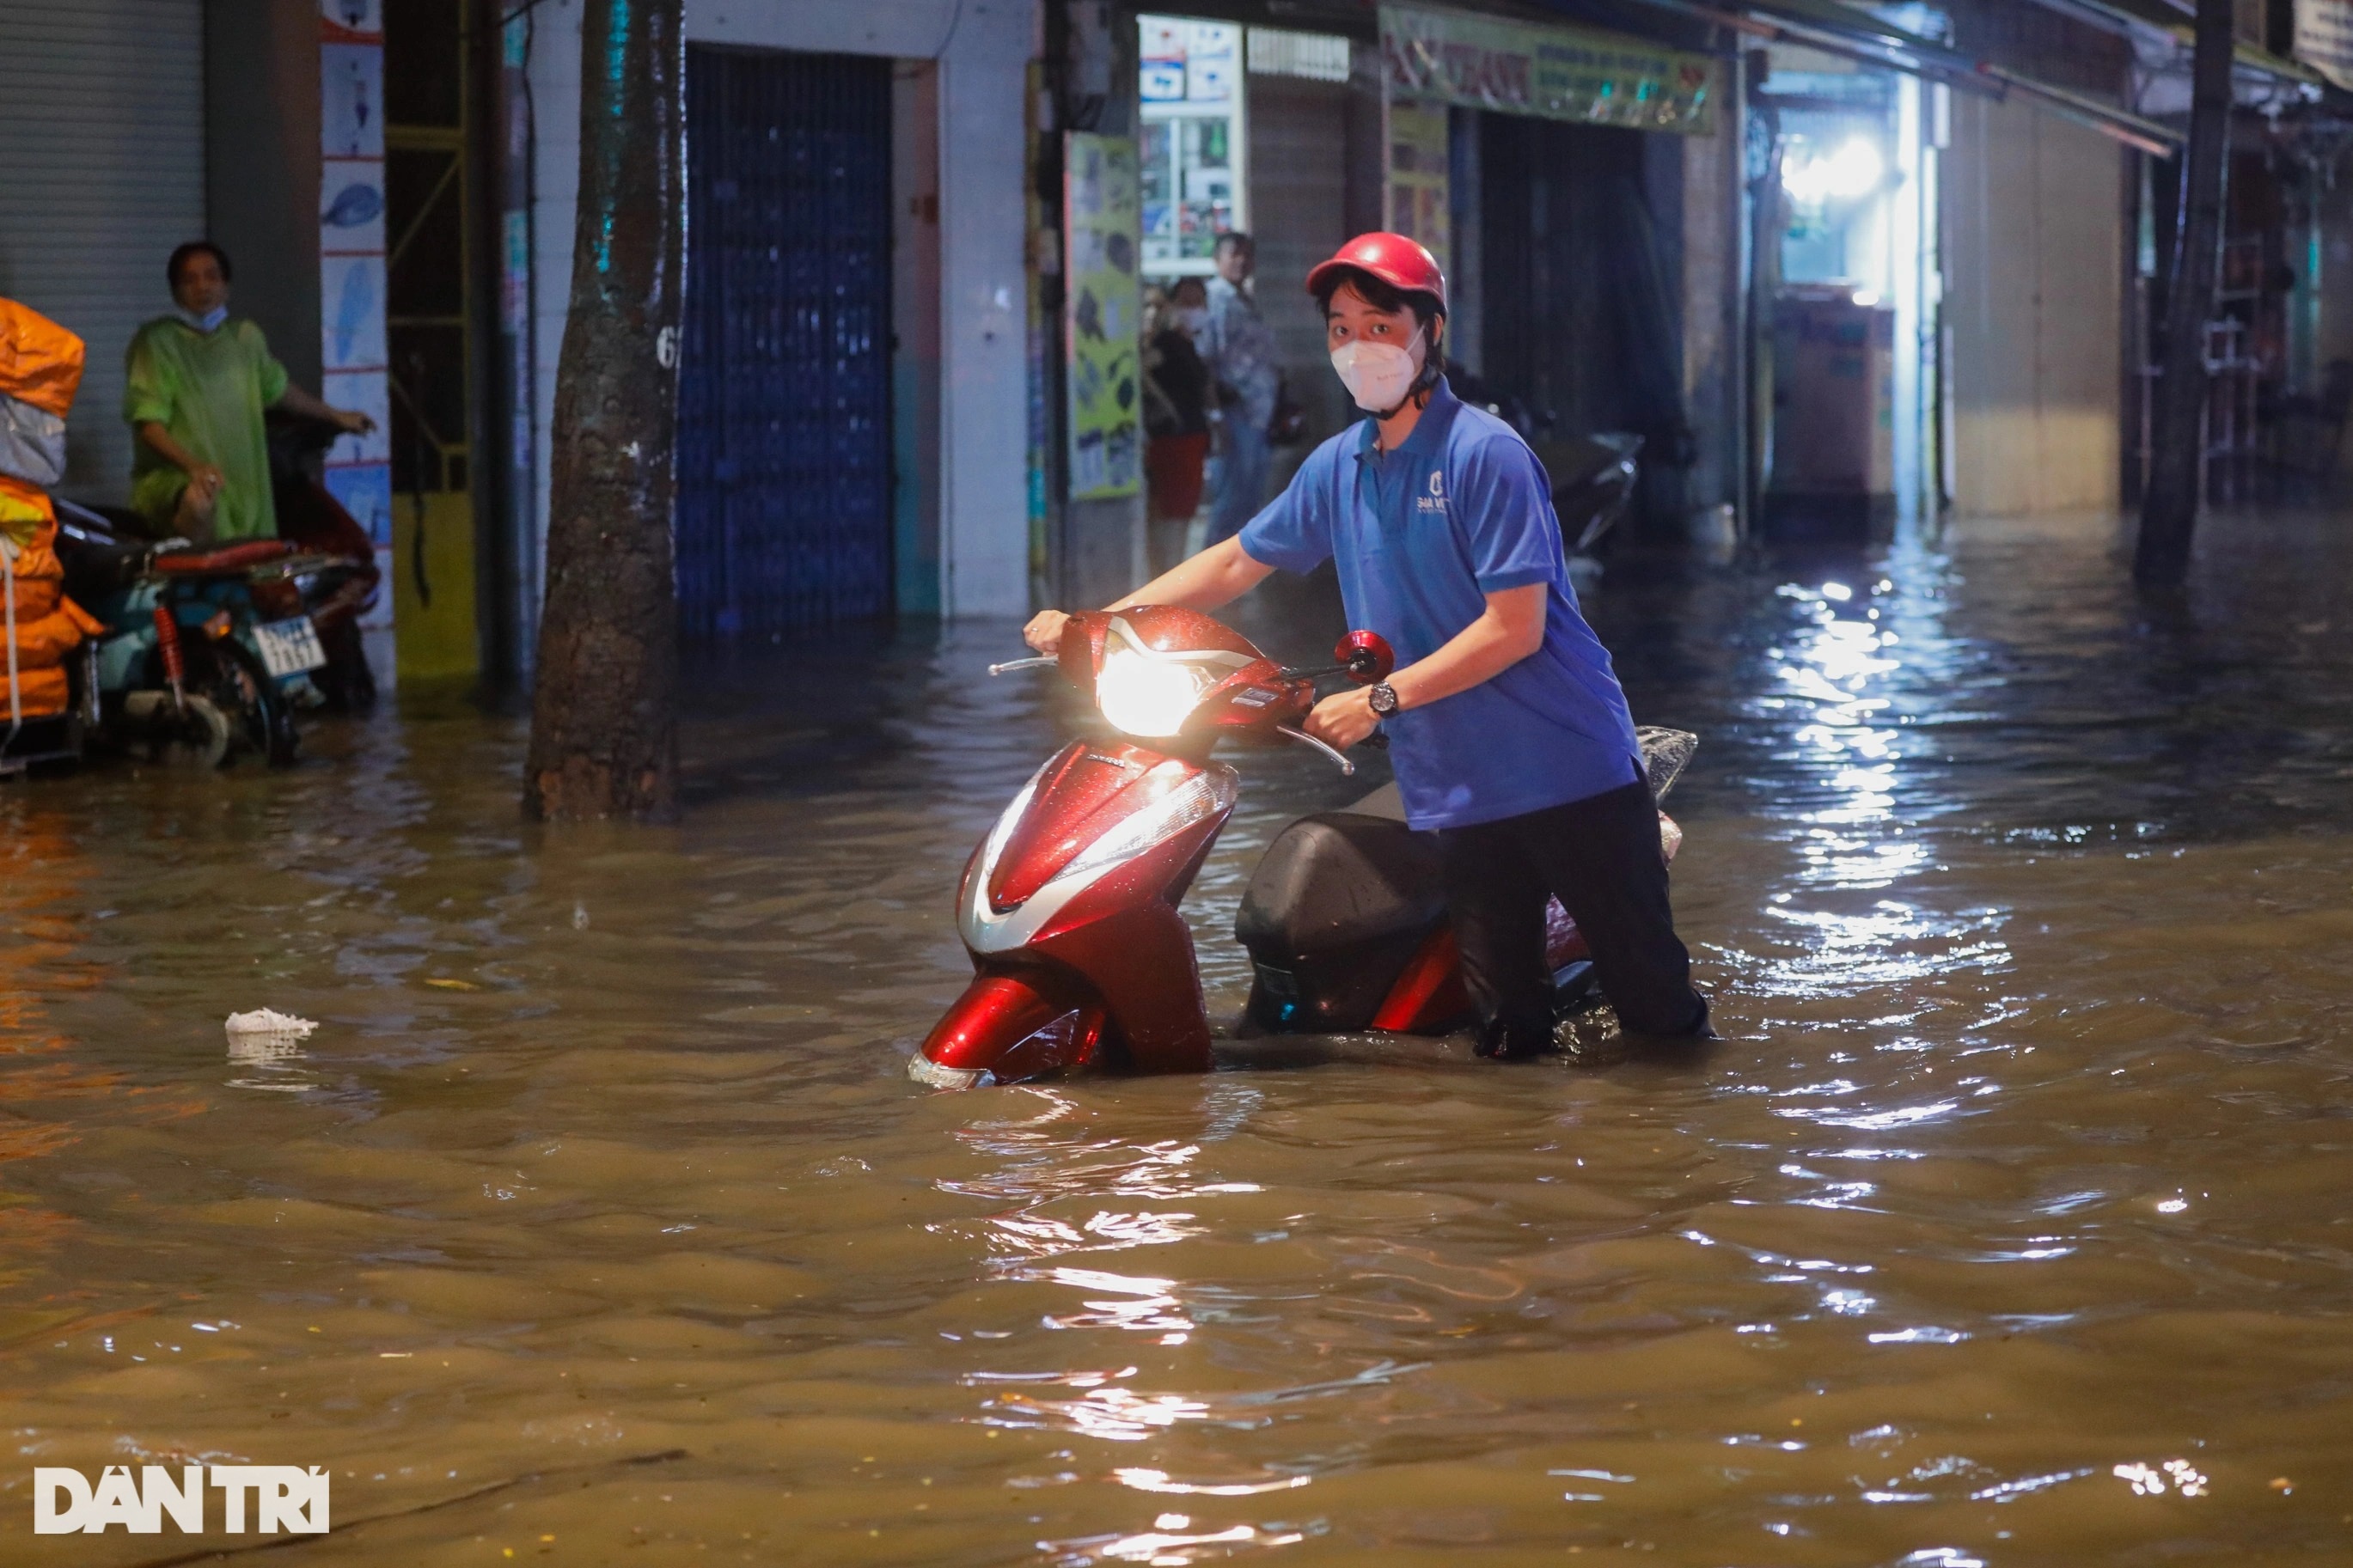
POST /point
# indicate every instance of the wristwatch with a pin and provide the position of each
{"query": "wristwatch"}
(1383, 698)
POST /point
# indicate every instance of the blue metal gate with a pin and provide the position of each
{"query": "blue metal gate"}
(784, 440)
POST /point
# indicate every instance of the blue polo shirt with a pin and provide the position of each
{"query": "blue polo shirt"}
(1420, 536)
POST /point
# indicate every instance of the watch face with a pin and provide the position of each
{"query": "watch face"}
(1384, 699)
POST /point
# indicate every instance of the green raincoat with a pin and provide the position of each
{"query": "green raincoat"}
(207, 390)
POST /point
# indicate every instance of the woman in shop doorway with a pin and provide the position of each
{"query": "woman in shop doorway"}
(198, 385)
(1176, 418)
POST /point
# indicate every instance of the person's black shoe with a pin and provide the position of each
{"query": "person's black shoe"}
(1499, 1041)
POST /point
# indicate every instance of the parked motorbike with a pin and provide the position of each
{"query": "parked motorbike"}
(1069, 908)
(208, 652)
(1592, 485)
(1592, 476)
(313, 519)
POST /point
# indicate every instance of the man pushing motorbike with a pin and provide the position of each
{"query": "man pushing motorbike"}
(1509, 732)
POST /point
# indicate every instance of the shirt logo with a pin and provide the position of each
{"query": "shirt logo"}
(1436, 499)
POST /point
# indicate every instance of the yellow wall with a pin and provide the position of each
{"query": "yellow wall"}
(435, 636)
(2033, 226)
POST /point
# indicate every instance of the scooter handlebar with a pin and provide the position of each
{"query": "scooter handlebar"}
(1365, 657)
(1347, 768)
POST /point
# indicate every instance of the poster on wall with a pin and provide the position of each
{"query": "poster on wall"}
(351, 206)
(351, 300)
(365, 489)
(1559, 73)
(350, 99)
(351, 21)
(351, 268)
(1419, 188)
(1102, 311)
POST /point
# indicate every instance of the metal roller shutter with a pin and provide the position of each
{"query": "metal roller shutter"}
(101, 173)
(784, 418)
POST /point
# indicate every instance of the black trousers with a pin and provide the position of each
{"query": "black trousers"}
(1600, 856)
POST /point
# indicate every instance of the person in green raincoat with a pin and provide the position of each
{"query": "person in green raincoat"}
(198, 383)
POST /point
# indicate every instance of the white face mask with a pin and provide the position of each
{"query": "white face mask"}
(1378, 375)
(208, 322)
(1192, 318)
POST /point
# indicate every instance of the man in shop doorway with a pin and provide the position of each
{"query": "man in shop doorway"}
(1238, 348)
(198, 383)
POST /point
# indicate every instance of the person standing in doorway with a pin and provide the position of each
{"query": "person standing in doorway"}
(1239, 347)
(198, 385)
(1508, 729)
(1176, 418)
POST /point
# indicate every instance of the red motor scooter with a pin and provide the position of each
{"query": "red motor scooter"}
(1069, 908)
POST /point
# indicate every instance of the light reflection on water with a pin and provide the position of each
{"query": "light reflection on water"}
(2014, 1186)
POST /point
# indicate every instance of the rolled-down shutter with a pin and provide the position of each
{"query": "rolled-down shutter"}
(101, 173)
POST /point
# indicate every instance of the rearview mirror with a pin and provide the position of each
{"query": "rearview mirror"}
(1365, 656)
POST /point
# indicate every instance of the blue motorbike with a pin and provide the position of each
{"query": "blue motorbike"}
(209, 651)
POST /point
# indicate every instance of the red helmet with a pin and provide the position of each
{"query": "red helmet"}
(1399, 262)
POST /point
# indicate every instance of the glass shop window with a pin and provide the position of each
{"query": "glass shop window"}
(1193, 146)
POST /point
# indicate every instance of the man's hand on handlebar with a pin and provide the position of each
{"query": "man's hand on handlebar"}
(1343, 718)
(1044, 631)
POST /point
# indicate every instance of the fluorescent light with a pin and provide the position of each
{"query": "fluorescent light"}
(1856, 169)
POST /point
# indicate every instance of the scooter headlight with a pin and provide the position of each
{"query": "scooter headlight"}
(1152, 696)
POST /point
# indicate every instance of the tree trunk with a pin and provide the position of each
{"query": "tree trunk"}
(2168, 511)
(604, 732)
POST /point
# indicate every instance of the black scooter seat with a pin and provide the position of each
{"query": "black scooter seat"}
(1343, 899)
(1338, 903)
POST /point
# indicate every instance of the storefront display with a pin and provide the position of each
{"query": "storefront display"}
(1192, 148)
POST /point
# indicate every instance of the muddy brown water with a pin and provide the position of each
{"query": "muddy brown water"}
(2008, 1224)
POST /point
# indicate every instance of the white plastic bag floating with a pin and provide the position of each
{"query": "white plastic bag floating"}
(265, 1035)
(267, 1021)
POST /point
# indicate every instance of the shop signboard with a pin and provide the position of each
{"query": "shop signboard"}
(2324, 38)
(1557, 73)
(1102, 308)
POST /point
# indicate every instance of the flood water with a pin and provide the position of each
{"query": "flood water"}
(2008, 1224)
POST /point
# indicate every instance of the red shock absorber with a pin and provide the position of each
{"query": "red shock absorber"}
(167, 639)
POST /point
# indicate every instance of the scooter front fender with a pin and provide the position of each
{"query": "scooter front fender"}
(1011, 1024)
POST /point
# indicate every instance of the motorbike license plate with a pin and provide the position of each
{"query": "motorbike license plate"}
(290, 647)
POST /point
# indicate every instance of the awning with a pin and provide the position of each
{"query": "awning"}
(2163, 40)
(2157, 139)
(1856, 34)
(1832, 20)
